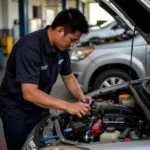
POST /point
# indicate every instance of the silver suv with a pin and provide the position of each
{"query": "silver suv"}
(108, 64)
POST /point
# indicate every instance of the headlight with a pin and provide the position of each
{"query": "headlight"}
(64, 147)
(80, 52)
(30, 145)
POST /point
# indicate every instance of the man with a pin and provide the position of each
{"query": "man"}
(32, 69)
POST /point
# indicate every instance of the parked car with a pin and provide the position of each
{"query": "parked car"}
(119, 116)
(104, 65)
(103, 33)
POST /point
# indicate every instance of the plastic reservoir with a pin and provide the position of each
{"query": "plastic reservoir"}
(110, 135)
(127, 100)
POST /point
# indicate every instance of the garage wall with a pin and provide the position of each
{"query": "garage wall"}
(72, 3)
(5, 13)
(40, 3)
(87, 13)
(55, 6)
(9, 12)
(12, 13)
(4, 18)
(1, 23)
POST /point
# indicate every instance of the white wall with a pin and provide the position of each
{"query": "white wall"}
(1, 14)
(9, 10)
(100, 14)
(43, 9)
(72, 3)
(32, 3)
(87, 13)
(41, 3)
(4, 8)
(13, 13)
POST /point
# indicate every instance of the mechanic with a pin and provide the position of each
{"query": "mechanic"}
(32, 69)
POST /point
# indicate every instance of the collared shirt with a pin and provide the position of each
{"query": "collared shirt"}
(32, 60)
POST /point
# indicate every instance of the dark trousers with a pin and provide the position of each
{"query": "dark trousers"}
(17, 125)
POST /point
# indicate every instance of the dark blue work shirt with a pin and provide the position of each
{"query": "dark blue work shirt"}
(32, 60)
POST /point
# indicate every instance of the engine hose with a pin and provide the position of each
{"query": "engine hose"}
(49, 138)
(61, 137)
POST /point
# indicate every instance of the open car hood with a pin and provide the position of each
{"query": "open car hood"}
(138, 13)
(115, 13)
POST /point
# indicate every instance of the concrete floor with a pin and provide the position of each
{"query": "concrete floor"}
(59, 91)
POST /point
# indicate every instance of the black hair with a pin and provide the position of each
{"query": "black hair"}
(72, 20)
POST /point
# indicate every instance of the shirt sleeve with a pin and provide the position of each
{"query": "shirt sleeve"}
(28, 65)
(66, 66)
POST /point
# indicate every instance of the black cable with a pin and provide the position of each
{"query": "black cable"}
(146, 59)
(130, 71)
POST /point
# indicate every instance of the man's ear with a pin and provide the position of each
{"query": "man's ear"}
(60, 31)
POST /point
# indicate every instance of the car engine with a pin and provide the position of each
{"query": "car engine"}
(107, 122)
(114, 117)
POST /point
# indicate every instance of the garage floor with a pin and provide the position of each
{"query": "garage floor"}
(58, 91)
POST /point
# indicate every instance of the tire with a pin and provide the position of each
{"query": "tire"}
(111, 77)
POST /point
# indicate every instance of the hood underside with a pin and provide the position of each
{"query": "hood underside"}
(138, 13)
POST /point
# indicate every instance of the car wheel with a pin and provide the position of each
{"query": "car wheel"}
(110, 78)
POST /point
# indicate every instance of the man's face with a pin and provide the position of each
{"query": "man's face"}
(63, 41)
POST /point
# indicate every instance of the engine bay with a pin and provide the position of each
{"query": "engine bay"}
(115, 116)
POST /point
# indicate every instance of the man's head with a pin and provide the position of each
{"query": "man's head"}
(68, 27)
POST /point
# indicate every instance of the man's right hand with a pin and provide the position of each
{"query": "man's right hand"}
(78, 108)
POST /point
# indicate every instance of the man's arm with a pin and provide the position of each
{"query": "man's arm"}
(32, 94)
(73, 86)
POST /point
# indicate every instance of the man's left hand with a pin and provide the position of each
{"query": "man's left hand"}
(86, 97)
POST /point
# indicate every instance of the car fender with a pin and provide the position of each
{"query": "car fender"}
(112, 58)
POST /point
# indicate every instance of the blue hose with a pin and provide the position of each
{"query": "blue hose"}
(49, 138)
(68, 130)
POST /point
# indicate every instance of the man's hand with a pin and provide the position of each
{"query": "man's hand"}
(73, 86)
(78, 108)
(86, 97)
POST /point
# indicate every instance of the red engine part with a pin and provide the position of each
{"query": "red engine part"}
(97, 126)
